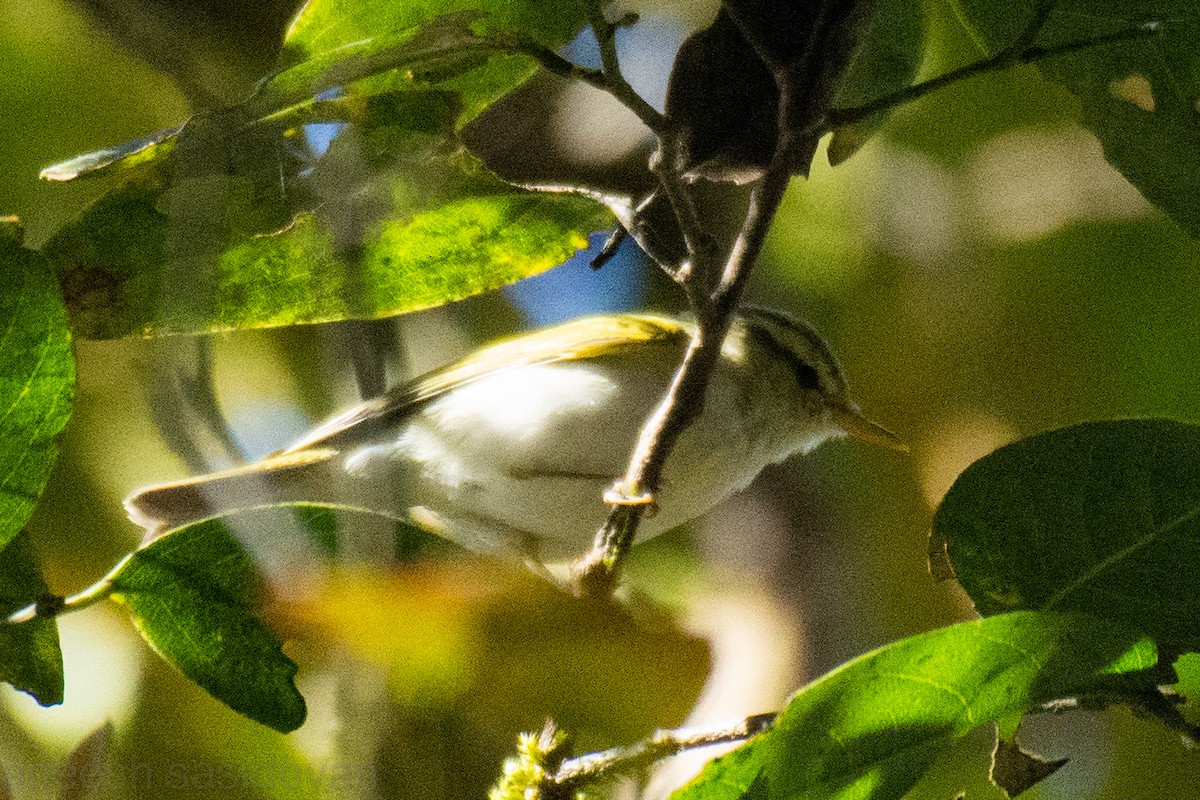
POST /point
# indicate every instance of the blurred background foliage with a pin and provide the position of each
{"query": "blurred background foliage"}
(982, 272)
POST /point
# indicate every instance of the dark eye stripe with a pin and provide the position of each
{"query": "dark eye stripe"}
(806, 375)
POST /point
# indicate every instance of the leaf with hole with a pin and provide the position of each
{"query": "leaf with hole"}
(1138, 87)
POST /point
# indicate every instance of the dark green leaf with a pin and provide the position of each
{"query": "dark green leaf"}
(888, 53)
(193, 595)
(37, 378)
(1139, 96)
(871, 728)
(1102, 518)
(30, 658)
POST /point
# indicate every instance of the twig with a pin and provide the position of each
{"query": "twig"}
(611, 245)
(615, 83)
(49, 606)
(596, 572)
(667, 162)
(1020, 52)
(662, 744)
(600, 79)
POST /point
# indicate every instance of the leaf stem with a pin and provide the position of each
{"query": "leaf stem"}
(50, 606)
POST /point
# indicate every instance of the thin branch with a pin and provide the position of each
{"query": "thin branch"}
(662, 744)
(615, 83)
(52, 605)
(613, 243)
(667, 164)
(612, 83)
(713, 299)
(1004, 59)
(683, 402)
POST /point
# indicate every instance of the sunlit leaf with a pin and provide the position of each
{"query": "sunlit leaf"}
(1140, 96)
(37, 378)
(324, 26)
(236, 221)
(871, 728)
(30, 657)
(733, 776)
(194, 595)
(386, 236)
(445, 46)
(1102, 518)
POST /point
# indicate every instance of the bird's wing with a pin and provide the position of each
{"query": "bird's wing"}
(585, 338)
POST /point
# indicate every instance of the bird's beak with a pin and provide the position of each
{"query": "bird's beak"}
(851, 420)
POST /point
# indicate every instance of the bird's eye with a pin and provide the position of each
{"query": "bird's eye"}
(807, 376)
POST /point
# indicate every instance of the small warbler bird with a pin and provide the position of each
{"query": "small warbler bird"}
(510, 450)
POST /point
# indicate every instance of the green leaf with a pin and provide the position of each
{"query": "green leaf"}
(1139, 96)
(402, 222)
(193, 594)
(732, 776)
(888, 53)
(229, 223)
(445, 46)
(324, 26)
(30, 657)
(1102, 518)
(871, 728)
(37, 378)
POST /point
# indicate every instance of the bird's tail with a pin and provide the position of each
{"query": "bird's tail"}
(277, 478)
